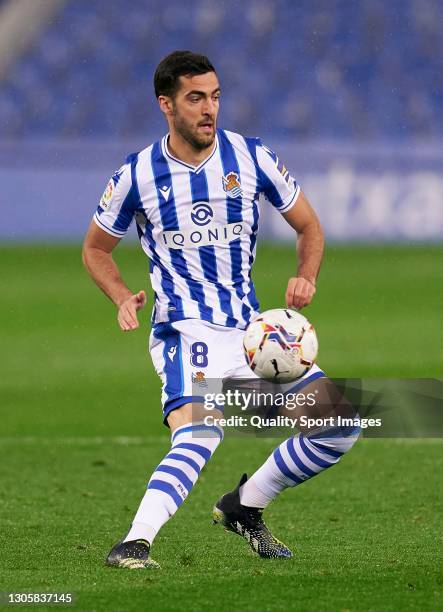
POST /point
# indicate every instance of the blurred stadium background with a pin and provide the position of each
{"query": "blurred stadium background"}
(350, 95)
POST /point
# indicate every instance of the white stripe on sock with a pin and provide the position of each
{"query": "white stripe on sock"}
(157, 506)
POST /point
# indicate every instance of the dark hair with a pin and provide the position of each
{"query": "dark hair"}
(175, 65)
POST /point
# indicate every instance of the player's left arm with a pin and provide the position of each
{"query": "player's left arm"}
(310, 244)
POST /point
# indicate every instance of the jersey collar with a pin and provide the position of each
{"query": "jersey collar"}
(195, 169)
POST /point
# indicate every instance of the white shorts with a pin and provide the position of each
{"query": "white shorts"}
(185, 353)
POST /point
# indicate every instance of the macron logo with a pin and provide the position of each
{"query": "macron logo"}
(171, 352)
(165, 191)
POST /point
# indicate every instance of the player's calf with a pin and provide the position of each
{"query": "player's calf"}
(173, 479)
(295, 461)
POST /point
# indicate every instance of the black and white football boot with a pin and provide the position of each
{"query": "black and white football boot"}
(132, 555)
(248, 522)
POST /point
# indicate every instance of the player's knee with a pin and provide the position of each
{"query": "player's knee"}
(189, 428)
(193, 414)
(180, 416)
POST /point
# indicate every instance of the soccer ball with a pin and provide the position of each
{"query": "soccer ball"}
(280, 345)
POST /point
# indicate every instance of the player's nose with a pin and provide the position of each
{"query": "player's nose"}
(208, 108)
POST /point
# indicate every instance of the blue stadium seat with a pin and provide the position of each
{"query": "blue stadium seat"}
(329, 69)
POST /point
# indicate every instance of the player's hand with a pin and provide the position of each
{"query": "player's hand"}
(127, 312)
(300, 292)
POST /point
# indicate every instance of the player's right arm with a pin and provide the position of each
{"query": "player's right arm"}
(110, 223)
(286, 196)
(98, 260)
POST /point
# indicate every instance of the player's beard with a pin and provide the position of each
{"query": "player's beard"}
(190, 133)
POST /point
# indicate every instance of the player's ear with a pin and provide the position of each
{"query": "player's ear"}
(166, 104)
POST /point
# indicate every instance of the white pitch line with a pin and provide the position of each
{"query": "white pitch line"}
(436, 440)
(161, 439)
(85, 441)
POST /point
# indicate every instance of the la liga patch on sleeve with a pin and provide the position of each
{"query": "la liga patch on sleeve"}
(105, 201)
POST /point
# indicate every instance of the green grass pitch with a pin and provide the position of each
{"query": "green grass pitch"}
(81, 432)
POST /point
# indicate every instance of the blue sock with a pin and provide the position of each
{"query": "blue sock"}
(173, 479)
(293, 462)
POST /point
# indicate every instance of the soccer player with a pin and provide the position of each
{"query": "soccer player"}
(194, 197)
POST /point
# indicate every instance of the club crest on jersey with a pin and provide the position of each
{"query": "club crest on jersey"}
(231, 184)
(105, 201)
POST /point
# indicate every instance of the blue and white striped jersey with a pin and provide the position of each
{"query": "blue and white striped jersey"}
(198, 226)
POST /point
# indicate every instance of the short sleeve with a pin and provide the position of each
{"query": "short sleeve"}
(278, 186)
(117, 205)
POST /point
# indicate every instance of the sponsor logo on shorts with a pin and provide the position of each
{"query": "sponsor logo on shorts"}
(171, 352)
